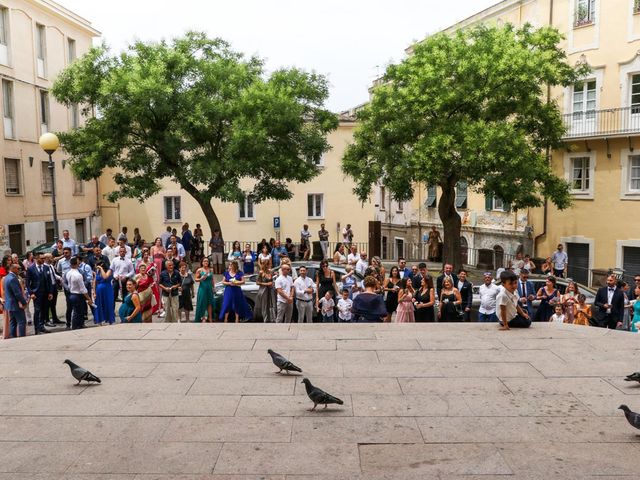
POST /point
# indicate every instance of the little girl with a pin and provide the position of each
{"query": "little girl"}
(326, 307)
(583, 311)
(558, 317)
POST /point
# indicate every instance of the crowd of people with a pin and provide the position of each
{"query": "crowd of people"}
(157, 279)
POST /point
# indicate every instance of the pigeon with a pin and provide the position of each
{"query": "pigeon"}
(634, 377)
(282, 363)
(81, 374)
(632, 417)
(319, 397)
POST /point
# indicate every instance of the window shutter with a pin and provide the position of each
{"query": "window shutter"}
(432, 194)
(461, 195)
(488, 203)
(12, 175)
(506, 206)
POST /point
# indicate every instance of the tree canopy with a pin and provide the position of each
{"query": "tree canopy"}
(194, 111)
(467, 107)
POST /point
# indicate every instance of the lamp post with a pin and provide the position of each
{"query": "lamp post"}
(50, 143)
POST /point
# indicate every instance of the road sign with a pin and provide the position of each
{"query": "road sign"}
(276, 223)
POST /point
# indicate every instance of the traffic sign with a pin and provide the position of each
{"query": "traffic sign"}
(276, 223)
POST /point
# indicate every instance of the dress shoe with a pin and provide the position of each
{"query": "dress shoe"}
(44, 330)
(50, 324)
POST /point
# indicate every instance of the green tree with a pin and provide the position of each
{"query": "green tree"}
(198, 113)
(467, 107)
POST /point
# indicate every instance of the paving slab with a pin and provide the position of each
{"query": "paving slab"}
(421, 401)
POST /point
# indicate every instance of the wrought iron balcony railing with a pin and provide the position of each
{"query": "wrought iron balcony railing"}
(602, 123)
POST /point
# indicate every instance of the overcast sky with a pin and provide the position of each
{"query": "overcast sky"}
(350, 41)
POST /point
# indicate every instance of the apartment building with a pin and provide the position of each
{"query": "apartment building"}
(39, 38)
(601, 160)
(328, 199)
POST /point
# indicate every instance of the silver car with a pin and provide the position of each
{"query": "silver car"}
(250, 288)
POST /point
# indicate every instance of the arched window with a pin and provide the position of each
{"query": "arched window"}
(498, 256)
(464, 250)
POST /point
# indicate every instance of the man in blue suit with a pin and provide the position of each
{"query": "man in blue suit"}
(15, 303)
(41, 291)
(526, 292)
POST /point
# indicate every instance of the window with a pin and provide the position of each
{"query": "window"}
(400, 208)
(246, 209)
(635, 94)
(585, 12)
(78, 186)
(461, 195)
(7, 107)
(71, 50)
(47, 181)
(44, 111)
(49, 232)
(172, 209)
(636, 6)
(580, 174)
(319, 161)
(498, 204)
(634, 173)
(75, 115)
(12, 176)
(584, 100)
(432, 195)
(4, 35)
(41, 49)
(315, 207)
(383, 198)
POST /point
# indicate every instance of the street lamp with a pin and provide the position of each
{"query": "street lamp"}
(50, 143)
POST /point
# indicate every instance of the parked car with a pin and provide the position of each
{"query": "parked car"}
(538, 282)
(250, 288)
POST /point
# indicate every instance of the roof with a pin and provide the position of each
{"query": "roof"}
(67, 15)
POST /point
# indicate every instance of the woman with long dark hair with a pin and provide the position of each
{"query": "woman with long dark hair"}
(391, 286)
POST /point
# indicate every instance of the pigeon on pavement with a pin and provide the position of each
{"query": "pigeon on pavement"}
(282, 363)
(632, 417)
(634, 377)
(319, 397)
(81, 374)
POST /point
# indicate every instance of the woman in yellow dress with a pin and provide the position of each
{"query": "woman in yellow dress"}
(583, 312)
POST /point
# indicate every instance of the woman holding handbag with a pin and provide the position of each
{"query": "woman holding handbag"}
(450, 303)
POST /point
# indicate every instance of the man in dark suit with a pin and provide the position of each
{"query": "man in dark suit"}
(610, 303)
(423, 272)
(526, 292)
(15, 303)
(465, 287)
(41, 291)
(447, 273)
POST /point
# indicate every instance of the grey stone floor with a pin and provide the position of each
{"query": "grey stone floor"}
(421, 401)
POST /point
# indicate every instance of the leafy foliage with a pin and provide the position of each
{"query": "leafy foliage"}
(471, 107)
(198, 113)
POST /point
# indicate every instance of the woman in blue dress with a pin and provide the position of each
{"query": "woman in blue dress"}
(131, 309)
(635, 321)
(548, 296)
(103, 294)
(248, 260)
(233, 299)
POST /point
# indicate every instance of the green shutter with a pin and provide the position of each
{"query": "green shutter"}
(488, 203)
(507, 207)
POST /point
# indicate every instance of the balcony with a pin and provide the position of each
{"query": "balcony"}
(609, 122)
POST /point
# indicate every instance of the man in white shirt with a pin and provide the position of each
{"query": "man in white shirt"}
(285, 294)
(488, 292)
(305, 288)
(123, 270)
(353, 256)
(362, 264)
(78, 294)
(560, 259)
(69, 242)
(104, 238)
(111, 251)
(347, 234)
(173, 243)
(122, 243)
(510, 313)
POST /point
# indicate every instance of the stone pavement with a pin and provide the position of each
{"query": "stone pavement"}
(421, 401)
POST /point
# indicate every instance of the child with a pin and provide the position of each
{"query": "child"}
(558, 316)
(344, 306)
(510, 314)
(326, 306)
(583, 312)
(349, 281)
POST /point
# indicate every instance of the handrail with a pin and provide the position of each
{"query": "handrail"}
(596, 123)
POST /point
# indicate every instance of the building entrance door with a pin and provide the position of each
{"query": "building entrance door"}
(578, 268)
(375, 239)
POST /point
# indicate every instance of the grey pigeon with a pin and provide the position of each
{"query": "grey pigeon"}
(282, 363)
(632, 417)
(634, 377)
(81, 374)
(319, 397)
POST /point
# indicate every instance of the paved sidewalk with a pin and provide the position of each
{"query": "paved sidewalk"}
(421, 401)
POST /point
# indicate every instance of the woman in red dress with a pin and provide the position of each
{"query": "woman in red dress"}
(145, 281)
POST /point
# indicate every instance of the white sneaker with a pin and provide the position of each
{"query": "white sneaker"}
(162, 314)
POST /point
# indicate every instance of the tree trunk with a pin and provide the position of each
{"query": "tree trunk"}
(452, 225)
(210, 215)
